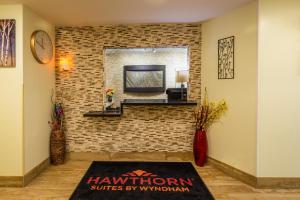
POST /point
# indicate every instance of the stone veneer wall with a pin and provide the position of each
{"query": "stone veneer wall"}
(143, 128)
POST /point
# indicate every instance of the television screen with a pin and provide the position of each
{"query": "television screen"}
(144, 78)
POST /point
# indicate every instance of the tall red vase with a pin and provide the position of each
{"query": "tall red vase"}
(200, 147)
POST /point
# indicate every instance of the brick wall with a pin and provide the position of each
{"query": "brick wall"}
(145, 128)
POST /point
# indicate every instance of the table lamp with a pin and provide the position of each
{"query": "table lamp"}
(182, 77)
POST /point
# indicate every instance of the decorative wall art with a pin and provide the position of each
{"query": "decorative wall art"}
(7, 43)
(226, 58)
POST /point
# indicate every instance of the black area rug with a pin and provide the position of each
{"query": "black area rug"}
(141, 181)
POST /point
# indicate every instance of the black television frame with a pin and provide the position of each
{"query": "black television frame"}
(144, 68)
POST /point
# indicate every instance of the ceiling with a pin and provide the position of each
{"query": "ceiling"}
(98, 12)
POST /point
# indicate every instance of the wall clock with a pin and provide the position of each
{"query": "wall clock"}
(41, 46)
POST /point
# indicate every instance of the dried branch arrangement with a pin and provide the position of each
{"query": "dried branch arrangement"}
(208, 113)
(57, 116)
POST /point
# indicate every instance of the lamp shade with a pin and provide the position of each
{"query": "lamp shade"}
(182, 76)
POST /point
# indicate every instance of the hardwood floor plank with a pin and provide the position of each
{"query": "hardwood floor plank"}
(58, 183)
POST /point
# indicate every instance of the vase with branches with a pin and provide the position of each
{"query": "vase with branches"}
(206, 114)
(57, 116)
(57, 137)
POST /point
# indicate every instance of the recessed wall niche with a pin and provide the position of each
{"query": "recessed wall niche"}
(115, 59)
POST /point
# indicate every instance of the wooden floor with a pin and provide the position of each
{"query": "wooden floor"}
(58, 182)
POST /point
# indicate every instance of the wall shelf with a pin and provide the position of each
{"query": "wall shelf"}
(162, 102)
(117, 113)
(139, 102)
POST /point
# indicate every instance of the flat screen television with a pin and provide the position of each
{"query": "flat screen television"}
(144, 78)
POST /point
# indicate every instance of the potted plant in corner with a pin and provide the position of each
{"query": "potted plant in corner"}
(206, 114)
(57, 137)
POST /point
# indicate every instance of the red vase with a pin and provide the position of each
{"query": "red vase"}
(200, 147)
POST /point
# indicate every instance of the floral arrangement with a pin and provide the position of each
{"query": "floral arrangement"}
(208, 113)
(109, 92)
(57, 116)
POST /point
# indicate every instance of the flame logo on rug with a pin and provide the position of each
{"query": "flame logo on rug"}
(140, 180)
(139, 173)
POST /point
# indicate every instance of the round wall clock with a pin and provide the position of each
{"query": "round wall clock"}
(41, 46)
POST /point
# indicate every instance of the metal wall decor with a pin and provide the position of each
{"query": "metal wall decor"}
(226, 58)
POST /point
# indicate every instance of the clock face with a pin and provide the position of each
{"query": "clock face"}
(41, 47)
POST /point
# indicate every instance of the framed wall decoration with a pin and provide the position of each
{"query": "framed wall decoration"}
(7, 43)
(226, 58)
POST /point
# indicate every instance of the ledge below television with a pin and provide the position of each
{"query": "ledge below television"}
(138, 102)
(116, 113)
(156, 102)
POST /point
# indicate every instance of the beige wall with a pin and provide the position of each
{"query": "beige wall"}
(279, 91)
(11, 93)
(25, 99)
(38, 83)
(233, 141)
